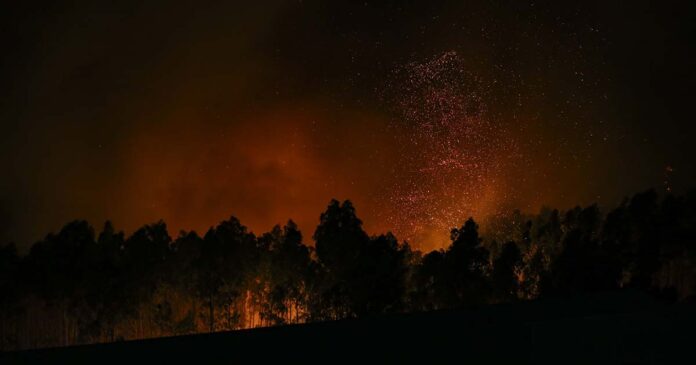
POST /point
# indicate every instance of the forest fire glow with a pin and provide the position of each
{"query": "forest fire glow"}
(176, 168)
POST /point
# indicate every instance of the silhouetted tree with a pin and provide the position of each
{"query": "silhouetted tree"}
(504, 276)
(58, 269)
(430, 282)
(379, 277)
(644, 248)
(677, 270)
(583, 265)
(226, 268)
(72, 288)
(187, 275)
(145, 258)
(9, 293)
(340, 240)
(467, 264)
(287, 270)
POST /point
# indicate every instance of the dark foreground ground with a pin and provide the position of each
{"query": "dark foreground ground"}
(616, 328)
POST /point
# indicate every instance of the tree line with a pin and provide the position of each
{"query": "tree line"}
(78, 286)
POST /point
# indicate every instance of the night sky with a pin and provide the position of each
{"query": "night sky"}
(421, 113)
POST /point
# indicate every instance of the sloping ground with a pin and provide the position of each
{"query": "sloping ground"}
(613, 328)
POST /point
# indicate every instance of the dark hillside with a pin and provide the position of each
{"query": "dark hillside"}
(612, 328)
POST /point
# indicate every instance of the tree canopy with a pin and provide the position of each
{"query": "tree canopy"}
(78, 286)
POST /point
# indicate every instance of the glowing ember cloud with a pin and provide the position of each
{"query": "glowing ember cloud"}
(454, 153)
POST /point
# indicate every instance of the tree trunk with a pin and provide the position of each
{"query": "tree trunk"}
(195, 315)
(2, 331)
(212, 315)
(65, 328)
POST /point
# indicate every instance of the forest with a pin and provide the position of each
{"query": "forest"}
(80, 286)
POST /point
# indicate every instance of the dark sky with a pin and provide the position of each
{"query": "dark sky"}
(422, 113)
